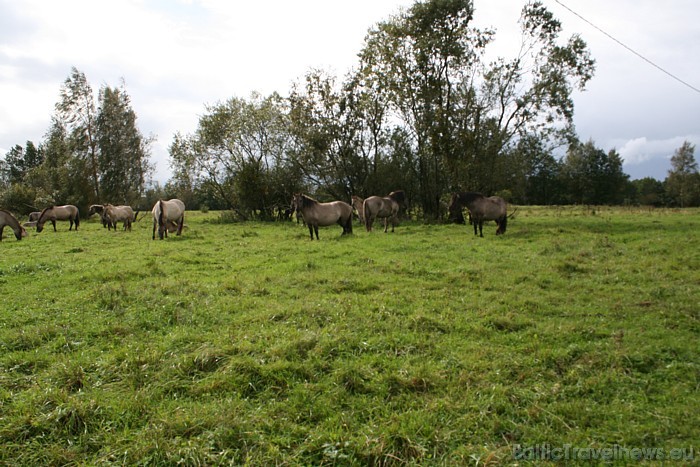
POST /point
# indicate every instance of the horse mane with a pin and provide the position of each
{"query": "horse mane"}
(399, 196)
(44, 211)
(307, 201)
(467, 196)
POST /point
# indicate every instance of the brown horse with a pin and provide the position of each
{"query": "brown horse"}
(115, 214)
(59, 213)
(481, 209)
(98, 209)
(317, 214)
(356, 203)
(6, 218)
(165, 213)
(383, 208)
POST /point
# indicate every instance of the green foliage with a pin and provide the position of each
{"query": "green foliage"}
(248, 344)
(683, 182)
(592, 176)
(123, 151)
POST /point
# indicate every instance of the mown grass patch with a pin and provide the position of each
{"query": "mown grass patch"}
(248, 343)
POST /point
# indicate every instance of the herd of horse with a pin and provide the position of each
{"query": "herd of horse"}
(169, 215)
(315, 214)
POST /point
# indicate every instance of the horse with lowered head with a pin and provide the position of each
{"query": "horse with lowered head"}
(356, 202)
(6, 218)
(317, 214)
(481, 209)
(386, 208)
(114, 214)
(67, 212)
(165, 213)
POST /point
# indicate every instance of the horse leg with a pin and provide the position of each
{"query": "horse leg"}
(311, 230)
(481, 228)
(54, 225)
(476, 225)
(181, 224)
(315, 231)
(386, 225)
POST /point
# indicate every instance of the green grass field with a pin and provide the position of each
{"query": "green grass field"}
(249, 344)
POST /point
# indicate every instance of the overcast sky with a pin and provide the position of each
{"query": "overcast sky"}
(176, 56)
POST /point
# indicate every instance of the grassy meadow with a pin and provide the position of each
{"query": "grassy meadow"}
(249, 344)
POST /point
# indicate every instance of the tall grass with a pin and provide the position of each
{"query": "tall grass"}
(249, 344)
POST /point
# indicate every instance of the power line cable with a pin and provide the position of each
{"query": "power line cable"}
(631, 50)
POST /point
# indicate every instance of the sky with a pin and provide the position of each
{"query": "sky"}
(175, 57)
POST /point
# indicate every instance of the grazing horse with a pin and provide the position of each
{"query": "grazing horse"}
(6, 218)
(383, 208)
(317, 214)
(98, 209)
(59, 213)
(356, 203)
(115, 214)
(481, 209)
(34, 216)
(167, 213)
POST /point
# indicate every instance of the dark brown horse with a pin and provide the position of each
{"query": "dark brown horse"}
(59, 213)
(317, 214)
(6, 218)
(481, 209)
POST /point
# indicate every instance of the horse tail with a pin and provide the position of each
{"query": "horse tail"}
(503, 224)
(161, 221)
(366, 213)
(348, 223)
(77, 218)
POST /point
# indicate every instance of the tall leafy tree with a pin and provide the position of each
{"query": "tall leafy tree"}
(77, 109)
(236, 147)
(419, 58)
(465, 116)
(123, 154)
(683, 181)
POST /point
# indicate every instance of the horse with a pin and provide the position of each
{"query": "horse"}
(165, 213)
(34, 216)
(98, 209)
(383, 208)
(115, 214)
(317, 214)
(6, 218)
(59, 213)
(481, 209)
(356, 203)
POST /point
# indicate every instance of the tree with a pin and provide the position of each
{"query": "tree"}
(77, 109)
(683, 181)
(418, 59)
(123, 154)
(649, 191)
(19, 160)
(465, 117)
(590, 176)
(236, 147)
